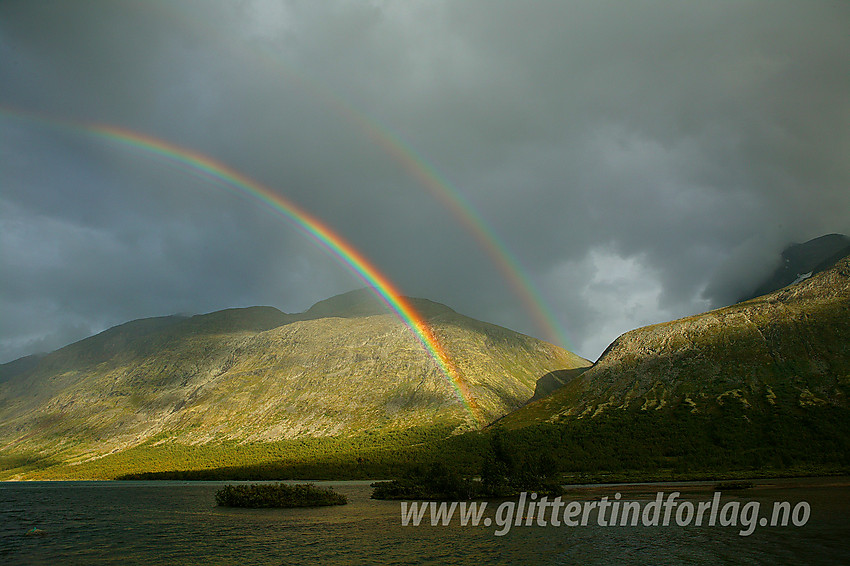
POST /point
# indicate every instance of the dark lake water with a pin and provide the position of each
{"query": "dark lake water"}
(178, 523)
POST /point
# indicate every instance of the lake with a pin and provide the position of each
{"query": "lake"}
(177, 523)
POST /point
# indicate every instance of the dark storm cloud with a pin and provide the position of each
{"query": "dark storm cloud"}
(642, 160)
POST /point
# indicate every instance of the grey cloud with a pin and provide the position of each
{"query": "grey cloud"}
(641, 160)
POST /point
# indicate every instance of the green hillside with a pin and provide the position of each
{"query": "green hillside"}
(244, 386)
(760, 385)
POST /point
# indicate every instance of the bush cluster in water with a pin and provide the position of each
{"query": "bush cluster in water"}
(502, 475)
(277, 495)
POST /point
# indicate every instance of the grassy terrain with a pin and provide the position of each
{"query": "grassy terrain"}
(361, 456)
(663, 445)
(678, 444)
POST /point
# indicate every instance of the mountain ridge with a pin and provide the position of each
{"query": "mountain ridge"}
(791, 346)
(258, 375)
(801, 261)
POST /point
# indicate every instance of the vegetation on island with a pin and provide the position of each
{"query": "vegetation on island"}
(436, 481)
(278, 495)
(503, 473)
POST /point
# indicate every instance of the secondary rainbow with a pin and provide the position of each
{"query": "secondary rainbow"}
(211, 170)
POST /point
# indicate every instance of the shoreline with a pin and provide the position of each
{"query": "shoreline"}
(764, 482)
(759, 484)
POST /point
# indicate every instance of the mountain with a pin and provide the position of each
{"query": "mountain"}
(801, 261)
(789, 347)
(19, 366)
(345, 367)
(763, 382)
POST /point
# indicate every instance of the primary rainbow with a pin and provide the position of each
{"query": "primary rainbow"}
(222, 175)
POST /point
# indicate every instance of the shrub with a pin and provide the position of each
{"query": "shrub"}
(277, 495)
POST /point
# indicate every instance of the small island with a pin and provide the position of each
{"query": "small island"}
(503, 474)
(277, 495)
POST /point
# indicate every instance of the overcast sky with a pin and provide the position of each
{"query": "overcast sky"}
(640, 160)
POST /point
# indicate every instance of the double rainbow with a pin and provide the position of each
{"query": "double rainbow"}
(413, 162)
